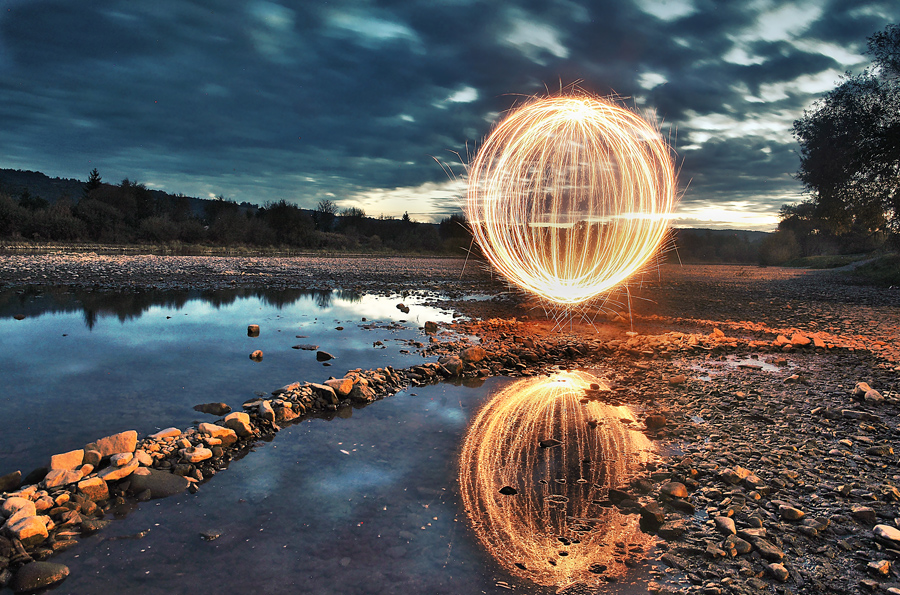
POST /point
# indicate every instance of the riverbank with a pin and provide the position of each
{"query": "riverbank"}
(785, 472)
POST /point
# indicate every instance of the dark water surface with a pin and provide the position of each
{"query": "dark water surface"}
(365, 503)
(81, 366)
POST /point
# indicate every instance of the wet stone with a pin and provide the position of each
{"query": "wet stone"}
(725, 525)
(110, 445)
(674, 489)
(778, 571)
(160, 484)
(10, 481)
(213, 408)
(789, 513)
(38, 575)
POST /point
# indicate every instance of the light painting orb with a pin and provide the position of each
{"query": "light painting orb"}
(555, 530)
(571, 195)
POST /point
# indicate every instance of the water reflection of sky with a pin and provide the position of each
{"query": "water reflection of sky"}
(81, 366)
(365, 505)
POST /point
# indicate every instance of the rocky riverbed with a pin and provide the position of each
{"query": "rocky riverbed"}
(773, 395)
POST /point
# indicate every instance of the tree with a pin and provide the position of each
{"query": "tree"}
(353, 213)
(850, 145)
(94, 182)
(326, 211)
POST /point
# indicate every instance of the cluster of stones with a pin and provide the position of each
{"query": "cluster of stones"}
(781, 481)
(788, 339)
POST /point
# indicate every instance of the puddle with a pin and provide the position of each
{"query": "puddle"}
(715, 367)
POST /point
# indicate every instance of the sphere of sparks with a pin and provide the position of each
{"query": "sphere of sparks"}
(571, 195)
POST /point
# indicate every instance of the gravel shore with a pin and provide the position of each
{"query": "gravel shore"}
(775, 393)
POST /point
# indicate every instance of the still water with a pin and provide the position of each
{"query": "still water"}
(367, 502)
(80, 366)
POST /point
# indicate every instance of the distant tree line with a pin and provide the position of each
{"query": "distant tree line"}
(714, 246)
(128, 213)
(850, 164)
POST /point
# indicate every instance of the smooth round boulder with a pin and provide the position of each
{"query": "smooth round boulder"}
(674, 489)
(38, 575)
(160, 484)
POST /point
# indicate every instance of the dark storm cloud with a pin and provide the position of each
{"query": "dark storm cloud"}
(262, 100)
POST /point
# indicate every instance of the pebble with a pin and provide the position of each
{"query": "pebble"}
(789, 513)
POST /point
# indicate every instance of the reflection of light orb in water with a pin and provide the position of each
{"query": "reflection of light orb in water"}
(570, 195)
(556, 486)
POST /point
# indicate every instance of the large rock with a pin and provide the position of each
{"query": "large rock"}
(116, 473)
(768, 550)
(92, 457)
(30, 530)
(161, 484)
(196, 454)
(240, 423)
(789, 513)
(655, 422)
(121, 442)
(341, 386)
(472, 355)
(798, 340)
(38, 575)
(725, 525)
(323, 356)
(226, 435)
(674, 489)
(10, 481)
(362, 394)
(167, 433)
(265, 411)
(213, 408)
(887, 535)
(94, 489)
(453, 364)
(60, 477)
(13, 505)
(326, 392)
(120, 459)
(67, 460)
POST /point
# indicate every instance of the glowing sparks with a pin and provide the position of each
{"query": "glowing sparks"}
(551, 532)
(569, 196)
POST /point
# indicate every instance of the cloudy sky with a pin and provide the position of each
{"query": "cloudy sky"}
(353, 100)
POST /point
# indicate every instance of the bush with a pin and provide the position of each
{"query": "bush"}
(159, 229)
(778, 248)
(12, 216)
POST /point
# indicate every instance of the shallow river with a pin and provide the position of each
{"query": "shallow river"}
(371, 501)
